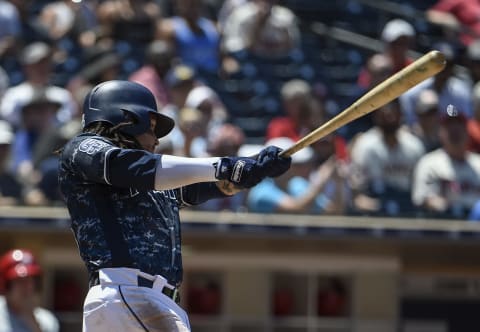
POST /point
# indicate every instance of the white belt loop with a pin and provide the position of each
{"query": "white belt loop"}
(159, 282)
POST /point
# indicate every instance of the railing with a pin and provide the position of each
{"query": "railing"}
(57, 219)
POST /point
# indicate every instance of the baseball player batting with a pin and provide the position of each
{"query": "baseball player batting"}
(124, 203)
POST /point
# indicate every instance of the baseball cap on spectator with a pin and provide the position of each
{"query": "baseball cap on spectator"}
(395, 29)
(295, 88)
(473, 51)
(40, 96)
(160, 52)
(34, 53)
(198, 95)
(178, 75)
(427, 101)
(452, 114)
(6, 133)
(249, 149)
(300, 157)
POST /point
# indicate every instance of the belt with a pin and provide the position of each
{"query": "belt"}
(172, 293)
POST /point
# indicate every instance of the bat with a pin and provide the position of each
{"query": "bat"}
(426, 66)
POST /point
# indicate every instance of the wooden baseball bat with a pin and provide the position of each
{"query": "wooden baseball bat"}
(426, 66)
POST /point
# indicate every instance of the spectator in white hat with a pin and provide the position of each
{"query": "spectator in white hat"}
(37, 67)
(208, 102)
(398, 36)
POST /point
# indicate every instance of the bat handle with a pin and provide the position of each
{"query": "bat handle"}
(288, 152)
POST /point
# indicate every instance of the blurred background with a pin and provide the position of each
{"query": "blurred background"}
(374, 228)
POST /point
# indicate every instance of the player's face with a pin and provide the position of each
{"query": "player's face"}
(148, 140)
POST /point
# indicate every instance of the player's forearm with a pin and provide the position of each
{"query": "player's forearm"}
(199, 193)
(174, 172)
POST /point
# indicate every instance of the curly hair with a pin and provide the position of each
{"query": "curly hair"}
(112, 133)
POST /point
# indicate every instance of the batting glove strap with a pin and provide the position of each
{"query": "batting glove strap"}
(244, 172)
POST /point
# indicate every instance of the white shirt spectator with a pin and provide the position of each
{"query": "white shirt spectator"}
(436, 174)
(381, 165)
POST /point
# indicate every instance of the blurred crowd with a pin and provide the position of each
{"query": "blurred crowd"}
(418, 156)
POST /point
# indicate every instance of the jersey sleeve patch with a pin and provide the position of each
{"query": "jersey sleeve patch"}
(91, 146)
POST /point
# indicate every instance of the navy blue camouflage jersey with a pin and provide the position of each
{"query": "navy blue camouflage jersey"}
(118, 219)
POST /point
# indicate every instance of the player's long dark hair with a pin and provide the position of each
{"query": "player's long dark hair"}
(112, 133)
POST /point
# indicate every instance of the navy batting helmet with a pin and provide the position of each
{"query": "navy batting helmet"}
(118, 101)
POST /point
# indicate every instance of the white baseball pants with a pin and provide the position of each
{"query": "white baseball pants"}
(119, 304)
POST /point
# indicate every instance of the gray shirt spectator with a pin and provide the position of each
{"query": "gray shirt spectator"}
(447, 180)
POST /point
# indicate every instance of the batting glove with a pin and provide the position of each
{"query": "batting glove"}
(243, 172)
(272, 164)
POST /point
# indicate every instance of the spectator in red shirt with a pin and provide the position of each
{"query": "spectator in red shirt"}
(297, 101)
(398, 36)
(457, 16)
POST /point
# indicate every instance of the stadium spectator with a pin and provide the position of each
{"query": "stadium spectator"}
(20, 284)
(100, 63)
(70, 19)
(195, 38)
(37, 66)
(208, 102)
(20, 26)
(472, 61)
(262, 28)
(301, 190)
(37, 118)
(180, 81)
(378, 68)
(11, 26)
(131, 21)
(158, 60)
(398, 36)
(10, 188)
(297, 100)
(450, 88)
(193, 126)
(428, 113)
(447, 180)
(226, 9)
(458, 17)
(473, 125)
(383, 159)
